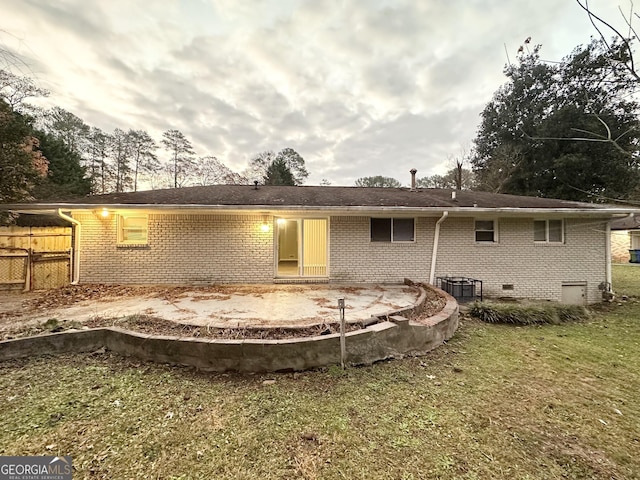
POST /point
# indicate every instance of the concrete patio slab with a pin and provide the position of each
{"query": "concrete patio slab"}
(245, 306)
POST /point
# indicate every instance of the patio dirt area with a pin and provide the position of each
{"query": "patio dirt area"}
(217, 307)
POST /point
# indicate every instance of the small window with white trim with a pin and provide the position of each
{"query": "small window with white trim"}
(392, 230)
(486, 231)
(133, 229)
(548, 231)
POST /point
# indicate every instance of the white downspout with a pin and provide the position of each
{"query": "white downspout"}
(75, 276)
(607, 248)
(434, 253)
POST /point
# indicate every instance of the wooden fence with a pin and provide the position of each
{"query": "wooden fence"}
(35, 258)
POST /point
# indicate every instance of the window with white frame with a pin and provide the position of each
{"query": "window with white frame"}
(392, 230)
(133, 229)
(548, 231)
(486, 231)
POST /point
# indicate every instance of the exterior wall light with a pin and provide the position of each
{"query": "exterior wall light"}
(264, 227)
(104, 213)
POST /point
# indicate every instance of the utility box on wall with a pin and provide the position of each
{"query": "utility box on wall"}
(463, 289)
(574, 293)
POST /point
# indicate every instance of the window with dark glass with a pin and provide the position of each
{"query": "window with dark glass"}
(485, 231)
(392, 230)
(548, 231)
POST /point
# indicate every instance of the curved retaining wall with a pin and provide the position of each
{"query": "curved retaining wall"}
(394, 338)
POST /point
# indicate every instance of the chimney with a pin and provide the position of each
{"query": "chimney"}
(413, 172)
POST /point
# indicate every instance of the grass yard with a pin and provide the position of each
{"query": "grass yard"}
(536, 402)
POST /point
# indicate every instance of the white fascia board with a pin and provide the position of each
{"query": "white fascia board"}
(52, 208)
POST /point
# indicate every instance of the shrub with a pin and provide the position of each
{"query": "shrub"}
(528, 314)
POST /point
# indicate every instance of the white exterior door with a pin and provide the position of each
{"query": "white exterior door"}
(302, 247)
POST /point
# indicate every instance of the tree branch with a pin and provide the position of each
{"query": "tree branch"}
(599, 139)
(630, 65)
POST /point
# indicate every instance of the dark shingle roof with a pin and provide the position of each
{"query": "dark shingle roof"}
(626, 223)
(325, 196)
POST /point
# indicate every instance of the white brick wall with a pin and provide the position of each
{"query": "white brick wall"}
(184, 248)
(189, 249)
(535, 270)
(353, 257)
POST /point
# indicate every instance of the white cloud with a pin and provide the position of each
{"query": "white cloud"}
(358, 88)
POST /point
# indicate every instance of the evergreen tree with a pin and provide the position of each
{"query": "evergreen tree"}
(278, 173)
(19, 170)
(66, 176)
(567, 130)
(269, 167)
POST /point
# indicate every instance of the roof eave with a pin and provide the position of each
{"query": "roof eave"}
(48, 208)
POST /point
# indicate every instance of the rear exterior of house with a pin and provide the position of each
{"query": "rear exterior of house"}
(205, 248)
(518, 247)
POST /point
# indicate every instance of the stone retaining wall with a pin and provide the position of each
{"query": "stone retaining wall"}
(394, 338)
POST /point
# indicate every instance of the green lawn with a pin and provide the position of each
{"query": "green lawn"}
(495, 402)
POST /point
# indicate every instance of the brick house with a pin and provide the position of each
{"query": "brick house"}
(521, 247)
(625, 238)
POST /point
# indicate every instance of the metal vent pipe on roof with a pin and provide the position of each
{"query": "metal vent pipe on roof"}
(413, 172)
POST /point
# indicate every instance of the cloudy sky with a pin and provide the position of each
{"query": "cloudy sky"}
(358, 88)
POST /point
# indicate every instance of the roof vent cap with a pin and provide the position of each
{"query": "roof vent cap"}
(413, 172)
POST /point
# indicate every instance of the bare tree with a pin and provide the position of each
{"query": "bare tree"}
(182, 153)
(15, 90)
(257, 168)
(209, 170)
(459, 176)
(287, 162)
(626, 56)
(68, 127)
(120, 149)
(99, 168)
(377, 181)
(143, 149)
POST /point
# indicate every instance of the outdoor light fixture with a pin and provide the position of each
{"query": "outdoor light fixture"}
(281, 221)
(264, 227)
(104, 213)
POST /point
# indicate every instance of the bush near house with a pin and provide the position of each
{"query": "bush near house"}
(517, 314)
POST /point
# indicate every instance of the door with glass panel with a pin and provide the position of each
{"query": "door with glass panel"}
(301, 247)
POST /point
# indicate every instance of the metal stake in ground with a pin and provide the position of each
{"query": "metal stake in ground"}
(343, 344)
